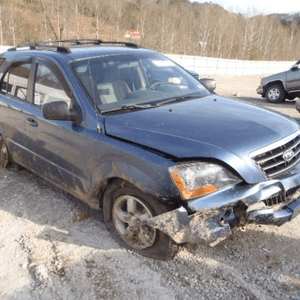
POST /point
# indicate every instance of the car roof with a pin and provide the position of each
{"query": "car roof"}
(84, 52)
(74, 51)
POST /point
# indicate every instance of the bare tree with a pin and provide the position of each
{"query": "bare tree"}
(46, 8)
(13, 22)
(1, 25)
(99, 11)
(116, 15)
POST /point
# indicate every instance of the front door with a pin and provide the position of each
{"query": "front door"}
(293, 79)
(59, 147)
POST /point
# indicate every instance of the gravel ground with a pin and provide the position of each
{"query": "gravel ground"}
(52, 246)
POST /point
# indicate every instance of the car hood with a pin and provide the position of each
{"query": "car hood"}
(211, 128)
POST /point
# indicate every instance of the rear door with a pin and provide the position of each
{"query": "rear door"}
(15, 98)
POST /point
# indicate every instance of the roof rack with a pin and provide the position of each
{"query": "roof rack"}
(91, 42)
(39, 45)
(64, 49)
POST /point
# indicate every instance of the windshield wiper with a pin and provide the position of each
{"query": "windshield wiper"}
(172, 100)
(127, 107)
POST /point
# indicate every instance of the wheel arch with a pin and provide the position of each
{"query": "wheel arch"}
(280, 82)
(156, 184)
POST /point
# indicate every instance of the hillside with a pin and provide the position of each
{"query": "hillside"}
(169, 26)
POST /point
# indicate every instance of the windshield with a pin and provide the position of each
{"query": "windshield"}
(118, 80)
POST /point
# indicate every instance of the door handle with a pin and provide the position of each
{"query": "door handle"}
(32, 122)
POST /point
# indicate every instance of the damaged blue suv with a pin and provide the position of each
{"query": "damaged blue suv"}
(129, 132)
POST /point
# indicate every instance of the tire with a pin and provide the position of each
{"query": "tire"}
(123, 207)
(275, 93)
(4, 154)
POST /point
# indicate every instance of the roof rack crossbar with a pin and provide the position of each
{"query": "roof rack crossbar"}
(91, 41)
(74, 41)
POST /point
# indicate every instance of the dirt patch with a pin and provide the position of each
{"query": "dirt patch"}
(52, 246)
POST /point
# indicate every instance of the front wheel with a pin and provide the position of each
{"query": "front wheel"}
(275, 93)
(124, 208)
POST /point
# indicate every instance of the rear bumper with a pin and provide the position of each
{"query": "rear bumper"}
(213, 215)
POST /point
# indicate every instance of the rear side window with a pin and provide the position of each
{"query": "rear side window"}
(48, 88)
(15, 82)
(2, 60)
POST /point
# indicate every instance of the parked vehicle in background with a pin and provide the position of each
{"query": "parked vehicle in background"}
(278, 87)
(129, 132)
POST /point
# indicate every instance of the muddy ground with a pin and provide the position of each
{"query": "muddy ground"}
(54, 247)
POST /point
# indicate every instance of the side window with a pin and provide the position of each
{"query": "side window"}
(48, 88)
(16, 80)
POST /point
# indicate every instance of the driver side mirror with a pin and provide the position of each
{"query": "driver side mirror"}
(294, 67)
(60, 111)
(209, 83)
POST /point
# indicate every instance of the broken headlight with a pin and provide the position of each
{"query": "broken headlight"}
(199, 179)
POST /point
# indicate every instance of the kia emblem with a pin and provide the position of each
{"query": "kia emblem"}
(288, 155)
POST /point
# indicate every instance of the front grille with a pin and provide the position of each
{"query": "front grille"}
(278, 198)
(272, 163)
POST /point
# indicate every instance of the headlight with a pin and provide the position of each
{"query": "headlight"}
(199, 179)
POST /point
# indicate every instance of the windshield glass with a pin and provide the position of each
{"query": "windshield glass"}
(117, 80)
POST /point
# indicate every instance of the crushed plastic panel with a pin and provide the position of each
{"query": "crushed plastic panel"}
(200, 227)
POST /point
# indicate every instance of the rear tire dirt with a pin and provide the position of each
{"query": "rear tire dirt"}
(124, 207)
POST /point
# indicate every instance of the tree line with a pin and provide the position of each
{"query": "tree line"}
(168, 26)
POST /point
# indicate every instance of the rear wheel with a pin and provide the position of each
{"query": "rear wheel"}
(124, 208)
(275, 93)
(4, 155)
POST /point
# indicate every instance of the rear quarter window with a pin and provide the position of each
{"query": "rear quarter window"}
(16, 79)
(2, 60)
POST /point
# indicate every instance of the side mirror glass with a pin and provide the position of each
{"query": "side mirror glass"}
(60, 111)
(209, 83)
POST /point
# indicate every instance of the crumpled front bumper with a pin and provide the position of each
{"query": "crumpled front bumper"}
(211, 217)
(195, 228)
(276, 217)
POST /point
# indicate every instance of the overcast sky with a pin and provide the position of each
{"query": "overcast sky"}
(262, 6)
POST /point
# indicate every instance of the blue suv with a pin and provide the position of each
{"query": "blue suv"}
(129, 132)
